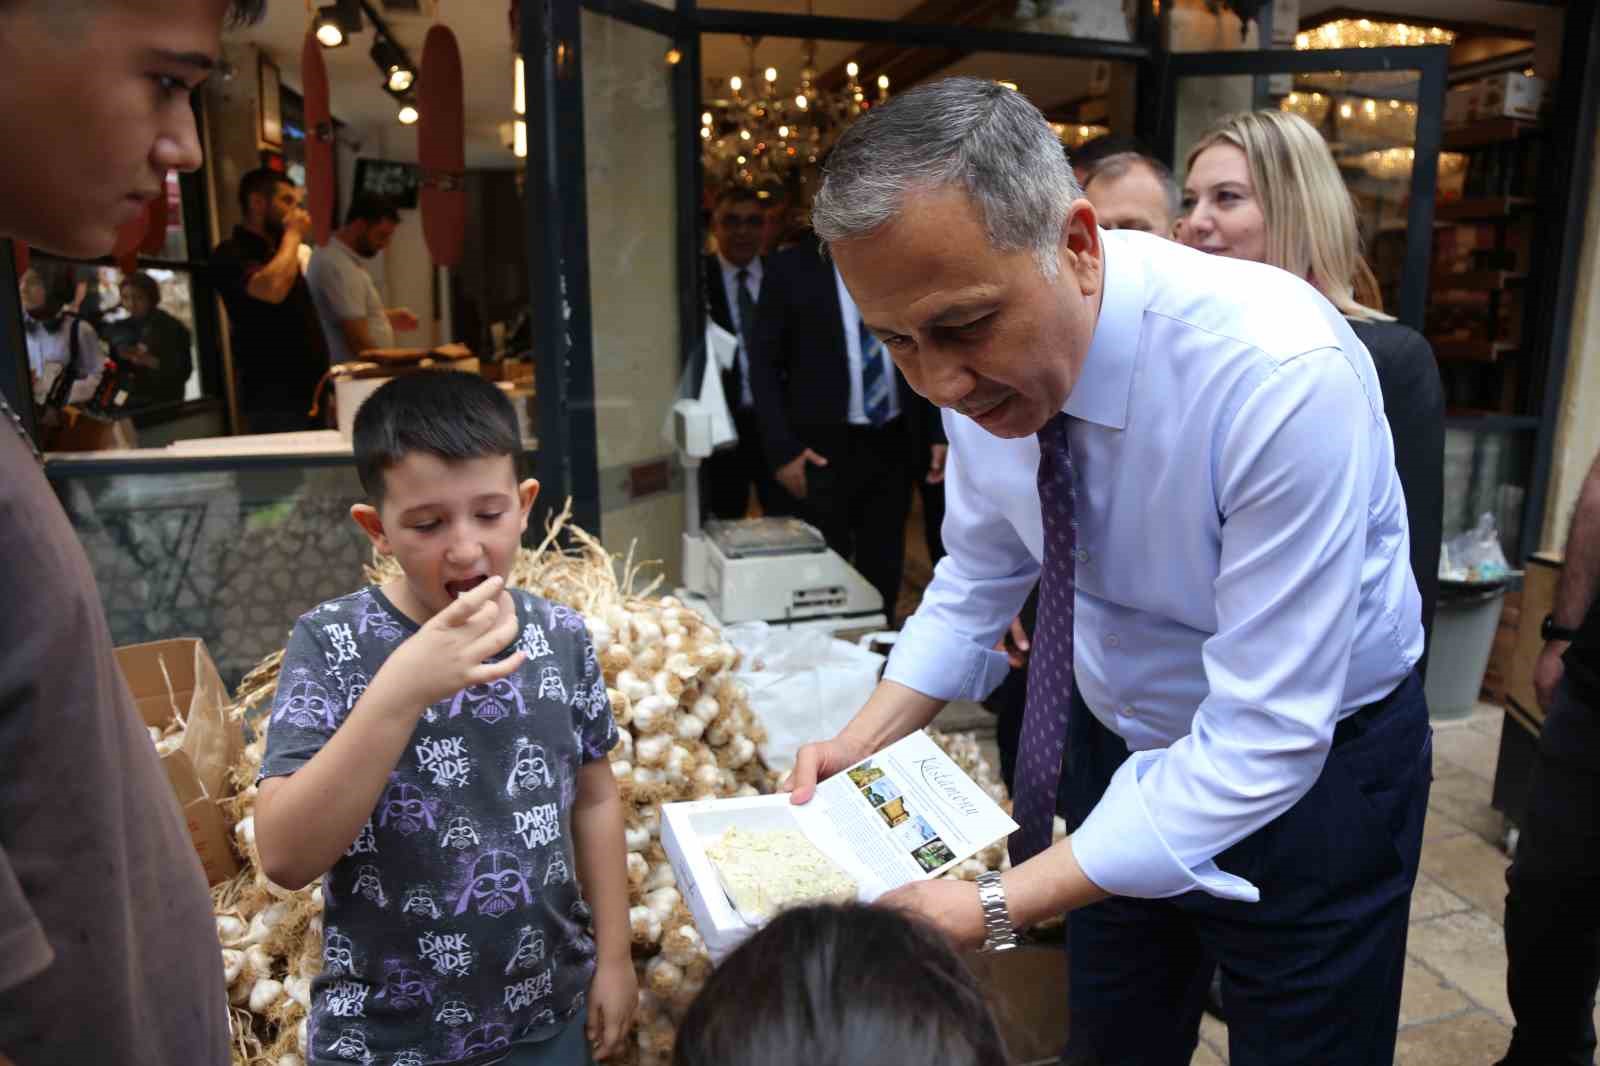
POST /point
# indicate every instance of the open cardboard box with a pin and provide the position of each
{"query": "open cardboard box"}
(171, 677)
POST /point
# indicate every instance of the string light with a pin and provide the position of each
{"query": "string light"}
(1367, 33)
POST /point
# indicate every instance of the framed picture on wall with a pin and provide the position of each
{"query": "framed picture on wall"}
(270, 112)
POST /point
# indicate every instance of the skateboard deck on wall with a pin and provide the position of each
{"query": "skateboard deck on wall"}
(441, 147)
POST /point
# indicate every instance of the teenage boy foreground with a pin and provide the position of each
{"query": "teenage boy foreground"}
(108, 952)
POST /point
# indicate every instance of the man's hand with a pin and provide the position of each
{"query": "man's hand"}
(402, 319)
(139, 355)
(792, 475)
(447, 655)
(952, 907)
(297, 222)
(936, 464)
(1015, 644)
(819, 761)
(613, 997)
(1547, 673)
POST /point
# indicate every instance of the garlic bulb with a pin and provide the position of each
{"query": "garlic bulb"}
(638, 869)
(690, 728)
(660, 976)
(230, 929)
(645, 925)
(660, 876)
(652, 750)
(636, 837)
(633, 687)
(681, 944)
(232, 964)
(265, 993)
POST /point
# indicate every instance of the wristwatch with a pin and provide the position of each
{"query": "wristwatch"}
(999, 934)
(1548, 630)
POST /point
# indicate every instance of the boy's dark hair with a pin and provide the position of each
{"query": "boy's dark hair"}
(832, 984)
(370, 207)
(446, 413)
(263, 181)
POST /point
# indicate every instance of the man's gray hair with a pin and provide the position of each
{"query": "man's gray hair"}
(979, 136)
(1115, 166)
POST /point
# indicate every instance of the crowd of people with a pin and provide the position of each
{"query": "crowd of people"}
(1204, 469)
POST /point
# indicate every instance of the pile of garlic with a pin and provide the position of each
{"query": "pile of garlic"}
(271, 938)
(685, 731)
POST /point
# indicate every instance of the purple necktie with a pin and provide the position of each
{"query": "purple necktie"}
(1044, 722)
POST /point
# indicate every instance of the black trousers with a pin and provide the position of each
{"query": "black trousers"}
(729, 474)
(1311, 974)
(860, 501)
(1553, 907)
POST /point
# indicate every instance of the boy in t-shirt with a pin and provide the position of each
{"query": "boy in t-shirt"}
(437, 752)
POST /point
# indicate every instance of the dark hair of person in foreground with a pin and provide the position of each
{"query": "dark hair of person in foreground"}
(837, 985)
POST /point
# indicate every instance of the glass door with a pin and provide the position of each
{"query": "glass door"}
(604, 185)
(1381, 111)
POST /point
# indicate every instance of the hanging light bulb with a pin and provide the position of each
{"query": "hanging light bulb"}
(408, 115)
(736, 83)
(772, 75)
(705, 118)
(883, 81)
(519, 90)
(783, 131)
(852, 68)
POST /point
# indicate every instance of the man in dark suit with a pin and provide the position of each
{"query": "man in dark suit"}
(838, 421)
(733, 276)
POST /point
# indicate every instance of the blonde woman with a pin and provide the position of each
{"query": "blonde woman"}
(1262, 185)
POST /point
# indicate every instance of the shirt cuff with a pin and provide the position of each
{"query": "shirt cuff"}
(933, 659)
(1119, 848)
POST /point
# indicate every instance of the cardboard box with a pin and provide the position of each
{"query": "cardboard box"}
(1460, 104)
(177, 677)
(1027, 990)
(1508, 96)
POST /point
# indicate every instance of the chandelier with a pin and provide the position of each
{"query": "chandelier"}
(753, 132)
(1367, 33)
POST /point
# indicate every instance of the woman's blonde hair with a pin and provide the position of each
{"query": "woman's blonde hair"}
(1310, 217)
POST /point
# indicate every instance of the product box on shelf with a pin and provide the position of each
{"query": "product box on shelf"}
(1510, 95)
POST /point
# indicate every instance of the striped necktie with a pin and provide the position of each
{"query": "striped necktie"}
(876, 378)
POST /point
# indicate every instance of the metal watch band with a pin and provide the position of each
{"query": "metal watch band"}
(999, 934)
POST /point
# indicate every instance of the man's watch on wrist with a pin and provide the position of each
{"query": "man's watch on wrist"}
(999, 933)
(1548, 630)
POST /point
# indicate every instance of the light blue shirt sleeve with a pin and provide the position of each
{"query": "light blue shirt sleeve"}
(1294, 473)
(946, 649)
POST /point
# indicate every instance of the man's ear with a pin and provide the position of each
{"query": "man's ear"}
(527, 492)
(366, 516)
(1082, 253)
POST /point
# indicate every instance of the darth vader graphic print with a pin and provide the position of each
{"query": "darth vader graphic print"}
(449, 930)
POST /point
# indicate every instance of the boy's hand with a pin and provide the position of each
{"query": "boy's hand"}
(613, 997)
(447, 655)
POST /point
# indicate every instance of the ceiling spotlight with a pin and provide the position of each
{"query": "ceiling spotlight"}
(335, 23)
(408, 113)
(398, 74)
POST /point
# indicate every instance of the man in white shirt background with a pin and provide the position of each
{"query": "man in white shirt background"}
(1191, 457)
(733, 275)
(348, 305)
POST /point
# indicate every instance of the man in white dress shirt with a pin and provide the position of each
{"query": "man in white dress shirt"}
(1190, 454)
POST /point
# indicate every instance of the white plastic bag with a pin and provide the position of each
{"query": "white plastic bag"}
(804, 684)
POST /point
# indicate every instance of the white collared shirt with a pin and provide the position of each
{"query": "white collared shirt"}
(730, 288)
(856, 411)
(49, 353)
(1242, 575)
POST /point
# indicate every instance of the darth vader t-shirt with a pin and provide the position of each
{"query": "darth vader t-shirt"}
(454, 927)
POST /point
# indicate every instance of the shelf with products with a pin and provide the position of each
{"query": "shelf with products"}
(1485, 132)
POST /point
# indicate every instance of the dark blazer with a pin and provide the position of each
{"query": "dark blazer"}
(716, 292)
(1413, 402)
(800, 364)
